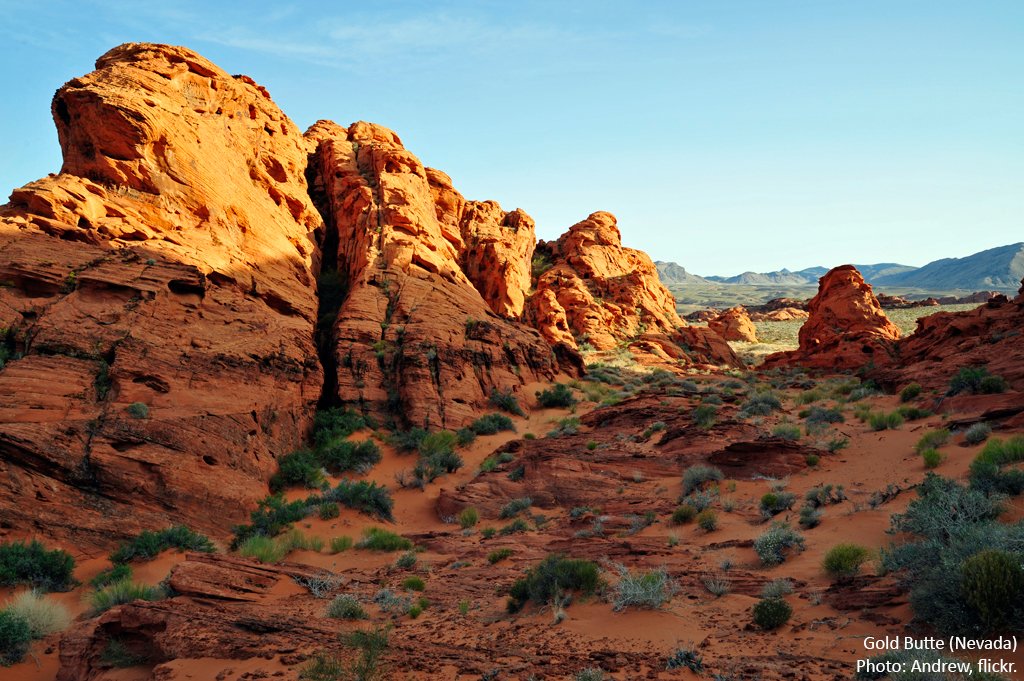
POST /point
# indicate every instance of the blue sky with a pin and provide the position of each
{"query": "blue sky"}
(727, 135)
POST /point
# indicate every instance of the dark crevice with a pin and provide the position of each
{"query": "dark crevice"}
(331, 286)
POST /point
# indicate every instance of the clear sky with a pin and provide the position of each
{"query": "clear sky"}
(727, 135)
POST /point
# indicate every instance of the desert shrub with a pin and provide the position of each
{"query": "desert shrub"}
(365, 497)
(149, 544)
(773, 503)
(843, 561)
(701, 499)
(777, 588)
(122, 592)
(642, 589)
(773, 544)
(837, 444)
(515, 507)
(911, 413)
(704, 415)
(31, 563)
(684, 513)
(517, 526)
(760, 404)
(992, 583)
(932, 458)
(932, 440)
(468, 517)
(558, 395)
(976, 380)
(299, 468)
(707, 520)
(408, 440)
(822, 415)
(567, 426)
(911, 392)
(686, 658)
(696, 476)
(345, 607)
(488, 532)
(339, 544)
(406, 561)
(271, 516)
(987, 473)
(590, 674)
(334, 423)
(438, 443)
(464, 437)
(328, 511)
(379, 539)
(44, 616)
(810, 516)
(261, 548)
(491, 424)
(890, 421)
(787, 431)
(823, 495)
(368, 664)
(553, 576)
(717, 585)
(110, 575)
(771, 613)
(505, 401)
(390, 602)
(812, 460)
(498, 555)
(413, 584)
(977, 433)
(138, 410)
(338, 456)
(15, 637)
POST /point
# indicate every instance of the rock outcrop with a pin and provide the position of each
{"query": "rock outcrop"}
(734, 325)
(157, 303)
(415, 341)
(783, 314)
(846, 327)
(943, 343)
(598, 292)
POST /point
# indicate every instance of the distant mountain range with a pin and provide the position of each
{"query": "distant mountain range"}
(999, 268)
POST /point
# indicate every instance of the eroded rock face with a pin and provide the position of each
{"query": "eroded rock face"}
(169, 266)
(598, 291)
(734, 325)
(943, 343)
(846, 327)
(415, 341)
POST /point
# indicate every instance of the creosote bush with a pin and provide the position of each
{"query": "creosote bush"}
(468, 517)
(771, 613)
(552, 577)
(683, 514)
(843, 561)
(707, 520)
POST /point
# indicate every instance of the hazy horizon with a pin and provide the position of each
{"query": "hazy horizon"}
(726, 137)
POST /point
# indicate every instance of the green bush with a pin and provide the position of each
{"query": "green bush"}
(773, 503)
(774, 543)
(464, 437)
(272, 515)
(910, 392)
(760, 404)
(15, 638)
(590, 674)
(299, 468)
(843, 561)
(468, 518)
(499, 555)
(777, 588)
(406, 561)
(977, 433)
(822, 415)
(413, 584)
(149, 544)
(810, 516)
(345, 607)
(338, 456)
(696, 476)
(976, 380)
(932, 458)
(438, 443)
(910, 413)
(515, 507)
(33, 564)
(686, 658)
(771, 613)
(490, 424)
(138, 410)
(261, 548)
(559, 395)
(987, 472)
(408, 441)
(554, 575)
(122, 592)
(328, 511)
(339, 544)
(365, 497)
(992, 583)
(890, 421)
(515, 527)
(787, 431)
(704, 415)
(506, 401)
(110, 575)
(933, 439)
(707, 520)
(379, 539)
(335, 423)
(684, 513)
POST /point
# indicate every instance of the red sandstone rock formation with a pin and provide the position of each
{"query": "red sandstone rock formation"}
(846, 329)
(942, 343)
(783, 314)
(734, 325)
(418, 340)
(168, 265)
